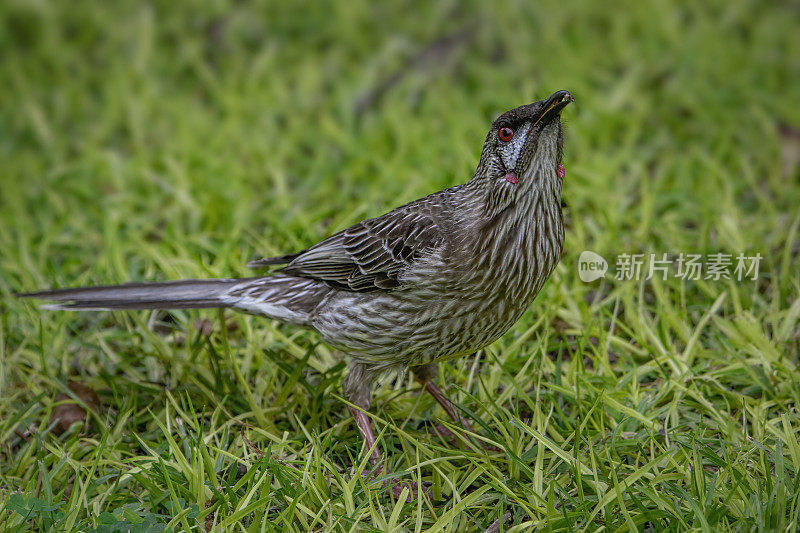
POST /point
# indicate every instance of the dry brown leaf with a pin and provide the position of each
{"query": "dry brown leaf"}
(68, 411)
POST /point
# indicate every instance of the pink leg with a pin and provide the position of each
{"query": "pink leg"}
(455, 416)
(365, 429)
(448, 406)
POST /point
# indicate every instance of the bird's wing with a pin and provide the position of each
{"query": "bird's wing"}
(367, 256)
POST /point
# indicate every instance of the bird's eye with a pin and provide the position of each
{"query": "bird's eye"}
(506, 134)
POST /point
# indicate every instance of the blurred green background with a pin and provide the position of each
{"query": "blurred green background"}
(145, 140)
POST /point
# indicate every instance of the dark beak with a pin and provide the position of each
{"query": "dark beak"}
(551, 109)
(554, 105)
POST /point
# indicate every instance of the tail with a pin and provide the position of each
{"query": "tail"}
(184, 294)
(285, 298)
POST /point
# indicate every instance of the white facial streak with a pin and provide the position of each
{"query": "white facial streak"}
(510, 150)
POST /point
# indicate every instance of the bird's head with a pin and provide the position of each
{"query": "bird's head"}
(521, 156)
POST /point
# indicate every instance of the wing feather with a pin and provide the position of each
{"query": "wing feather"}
(372, 254)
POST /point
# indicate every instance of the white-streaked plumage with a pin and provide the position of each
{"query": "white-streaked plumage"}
(435, 279)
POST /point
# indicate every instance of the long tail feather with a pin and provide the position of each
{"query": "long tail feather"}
(184, 294)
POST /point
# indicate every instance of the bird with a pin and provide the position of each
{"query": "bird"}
(435, 279)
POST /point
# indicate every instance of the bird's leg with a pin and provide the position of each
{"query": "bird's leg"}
(425, 374)
(365, 429)
(357, 389)
(448, 406)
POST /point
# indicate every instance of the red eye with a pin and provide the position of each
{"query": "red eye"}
(506, 134)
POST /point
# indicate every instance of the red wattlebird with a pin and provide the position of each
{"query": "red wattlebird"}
(435, 279)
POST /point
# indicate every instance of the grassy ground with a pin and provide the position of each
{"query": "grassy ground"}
(142, 142)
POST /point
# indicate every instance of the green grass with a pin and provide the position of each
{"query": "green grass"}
(142, 142)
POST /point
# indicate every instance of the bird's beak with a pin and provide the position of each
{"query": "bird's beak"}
(551, 109)
(554, 105)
